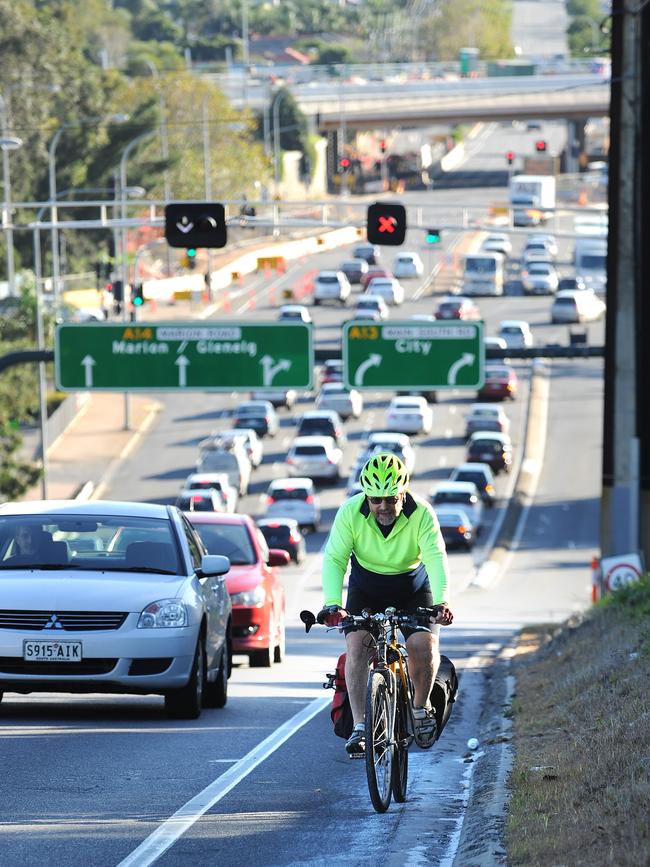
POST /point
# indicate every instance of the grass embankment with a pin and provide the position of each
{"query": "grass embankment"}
(580, 784)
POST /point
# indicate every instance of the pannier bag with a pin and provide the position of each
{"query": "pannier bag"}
(341, 712)
(443, 694)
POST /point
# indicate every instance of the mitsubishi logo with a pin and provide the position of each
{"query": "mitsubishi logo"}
(53, 623)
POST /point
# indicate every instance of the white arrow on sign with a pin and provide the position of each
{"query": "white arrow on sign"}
(269, 369)
(185, 226)
(465, 359)
(373, 361)
(183, 364)
(88, 364)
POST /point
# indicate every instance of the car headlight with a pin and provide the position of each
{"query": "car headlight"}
(250, 597)
(164, 613)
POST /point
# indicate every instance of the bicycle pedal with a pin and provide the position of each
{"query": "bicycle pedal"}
(353, 756)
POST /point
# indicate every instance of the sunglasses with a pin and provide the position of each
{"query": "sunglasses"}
(377, 501)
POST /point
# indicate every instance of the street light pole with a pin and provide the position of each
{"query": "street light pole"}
(125, 261)
(277, 99)
(42, 383)
(8, 143)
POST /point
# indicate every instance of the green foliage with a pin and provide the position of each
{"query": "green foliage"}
(16, 475)
(293, 123)
(634, 599)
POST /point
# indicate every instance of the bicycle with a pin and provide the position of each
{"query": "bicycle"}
(389, 701)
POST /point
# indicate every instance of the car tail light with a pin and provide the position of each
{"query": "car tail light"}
(290, 461)
(270, 500)
(509, 386)
(309, 499)
(462, 529)
(293, 538)
(489, 489)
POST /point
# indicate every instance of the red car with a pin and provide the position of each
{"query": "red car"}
(373, 272)
(255, 589)
(458, 308)
(501, 383)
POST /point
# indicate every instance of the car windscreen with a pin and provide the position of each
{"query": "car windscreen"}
(565, 302)
(497, 373)
(102, 543)
(539, 268)
(289, 494)
(313, 425)
(454, 497)
(477, 478)
(303, 451)
(276, 535)
(204, 486)
(326, 278)
(231, 540)
(593, 262)
(486, 446)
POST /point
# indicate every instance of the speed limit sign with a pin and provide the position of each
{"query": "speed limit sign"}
(621, 571)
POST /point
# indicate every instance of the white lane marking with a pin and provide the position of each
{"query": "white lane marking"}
(443, 461)
(157, 843)
(452, 409)
(449, 433)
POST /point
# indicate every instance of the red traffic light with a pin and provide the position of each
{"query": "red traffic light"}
(382, 145)
(510, 157)
(386, 224)
(344, 163)
(540, 145)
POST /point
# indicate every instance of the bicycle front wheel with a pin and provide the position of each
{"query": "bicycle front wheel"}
(402, 741)
(379, 742)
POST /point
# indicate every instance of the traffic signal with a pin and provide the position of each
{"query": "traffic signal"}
(510, 157)
(386, 224)
(195, 224)
(344, 165)
(432, 236)
(118, 291)
(540, 145)
(190, 257)
(137, 295)
(382, 145)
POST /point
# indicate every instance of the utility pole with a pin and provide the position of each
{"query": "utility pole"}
(620, 492)
(643, 302)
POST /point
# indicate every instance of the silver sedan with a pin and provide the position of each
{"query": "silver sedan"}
(112, 597)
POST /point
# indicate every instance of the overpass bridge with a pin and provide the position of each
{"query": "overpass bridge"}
(373, 105)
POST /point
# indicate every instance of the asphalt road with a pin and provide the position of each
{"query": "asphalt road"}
(88, 779)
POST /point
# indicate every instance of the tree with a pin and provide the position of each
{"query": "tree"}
(293, 123)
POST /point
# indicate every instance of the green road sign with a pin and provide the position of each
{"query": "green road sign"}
(412, 355)
(189, 356)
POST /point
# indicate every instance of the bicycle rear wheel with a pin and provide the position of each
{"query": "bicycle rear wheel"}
(402, 740)
(379, 743)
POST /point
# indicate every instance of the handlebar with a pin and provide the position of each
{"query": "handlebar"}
(419, 617)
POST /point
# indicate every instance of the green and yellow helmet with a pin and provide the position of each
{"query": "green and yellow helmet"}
(384, 475)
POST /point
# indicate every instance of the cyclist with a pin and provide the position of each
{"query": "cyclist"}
(392, 540)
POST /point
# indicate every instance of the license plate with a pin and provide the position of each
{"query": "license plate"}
(52, 651)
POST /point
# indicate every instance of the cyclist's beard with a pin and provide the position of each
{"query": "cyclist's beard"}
(387, 518)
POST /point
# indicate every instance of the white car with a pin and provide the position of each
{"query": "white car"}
(294, 498)
(579, 305)
(294, 313)
(316, 457)
(252, 443)
(203, 500)
(218, 481)
(539, 278)
(409, 415)
(548, 240)
(486, 416)
(408, 264)
(112, 597)
(331, 286)
(536, 251)
(464, 495)
(398, 443)
(371, 307)
(335, 396)
(388, 288)
(498, 242)
(494, 343)
(516, 333)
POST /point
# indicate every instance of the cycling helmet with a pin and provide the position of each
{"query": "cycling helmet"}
(384, 475)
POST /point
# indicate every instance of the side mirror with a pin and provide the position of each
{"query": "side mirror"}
(278, 557)
(213, 564)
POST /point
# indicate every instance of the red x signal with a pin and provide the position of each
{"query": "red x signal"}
(387, 224)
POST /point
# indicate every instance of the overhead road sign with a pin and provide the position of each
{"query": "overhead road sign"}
(386, 223)
(183, 356)
(195, 224)
(413, 355)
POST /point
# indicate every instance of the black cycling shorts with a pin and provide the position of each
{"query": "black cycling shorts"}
(422, 598)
